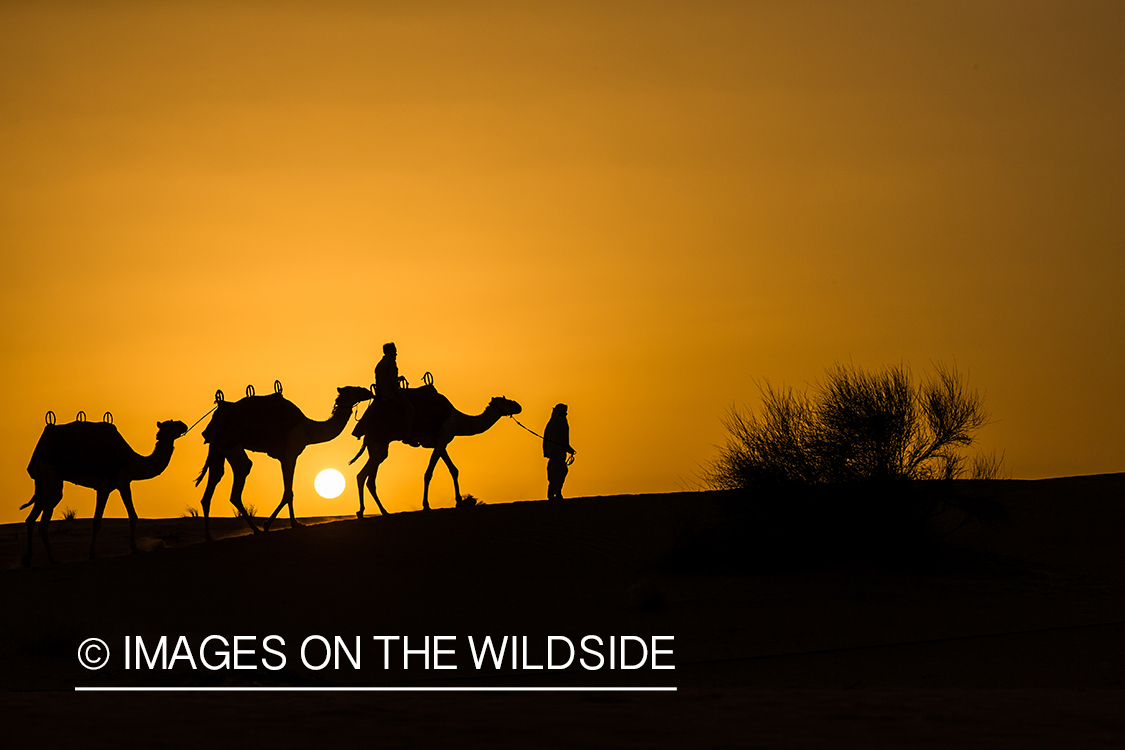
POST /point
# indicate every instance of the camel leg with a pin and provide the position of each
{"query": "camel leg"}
(240, 465)
(214, 473)
(99, 509)
(429, 475)
(288, 468)
(44, 525)
(126, 492)
(367, 476)
(360, 480)
(48, 494)
(36, 511)
(452, 472)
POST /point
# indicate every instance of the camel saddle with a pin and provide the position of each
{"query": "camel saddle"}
(272, 412)
(431, 409)
(84, 447)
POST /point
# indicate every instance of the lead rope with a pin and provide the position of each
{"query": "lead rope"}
(219, 398)
(213, 408)
(569, 458)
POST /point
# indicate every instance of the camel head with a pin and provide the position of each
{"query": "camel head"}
(506, 407)
(170, 430)
(350, 395)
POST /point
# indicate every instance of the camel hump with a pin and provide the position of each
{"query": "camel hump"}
(431, 409)
(262, 413)
(78, 447)
(428, 403)
(87, 433)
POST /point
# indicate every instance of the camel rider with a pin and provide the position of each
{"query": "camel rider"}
(556, 447)
(389, 388)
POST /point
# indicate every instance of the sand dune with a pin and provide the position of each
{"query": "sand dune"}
(1015, 621)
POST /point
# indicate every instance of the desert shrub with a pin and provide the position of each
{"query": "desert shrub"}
(825, 476)
(69, 514)
(190, 512)
(251, 510)
(855, 426)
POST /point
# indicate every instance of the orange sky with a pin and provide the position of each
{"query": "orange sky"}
(638, 210)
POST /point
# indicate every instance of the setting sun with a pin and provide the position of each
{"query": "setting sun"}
(329, 484)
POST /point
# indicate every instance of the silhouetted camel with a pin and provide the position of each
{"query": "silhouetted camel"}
(272, 425)
(436, 423)
(94, 455)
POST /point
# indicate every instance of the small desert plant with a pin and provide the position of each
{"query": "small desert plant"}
(69, 514)
(251, 510)
(855, 426)
(190, 511)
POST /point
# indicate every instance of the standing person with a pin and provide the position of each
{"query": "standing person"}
(556, 446)
(388, 388)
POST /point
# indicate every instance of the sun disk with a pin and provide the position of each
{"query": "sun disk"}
(329, 483)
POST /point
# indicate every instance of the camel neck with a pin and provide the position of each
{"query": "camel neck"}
(322, 432)
(147, 467)
(474, 425)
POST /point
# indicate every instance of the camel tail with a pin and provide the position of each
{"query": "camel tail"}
(362, 448)
(211, 456)
(29, 502)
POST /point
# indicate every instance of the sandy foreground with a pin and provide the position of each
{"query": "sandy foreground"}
(1017, 639)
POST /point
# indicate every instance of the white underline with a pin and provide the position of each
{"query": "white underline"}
(342, 689)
